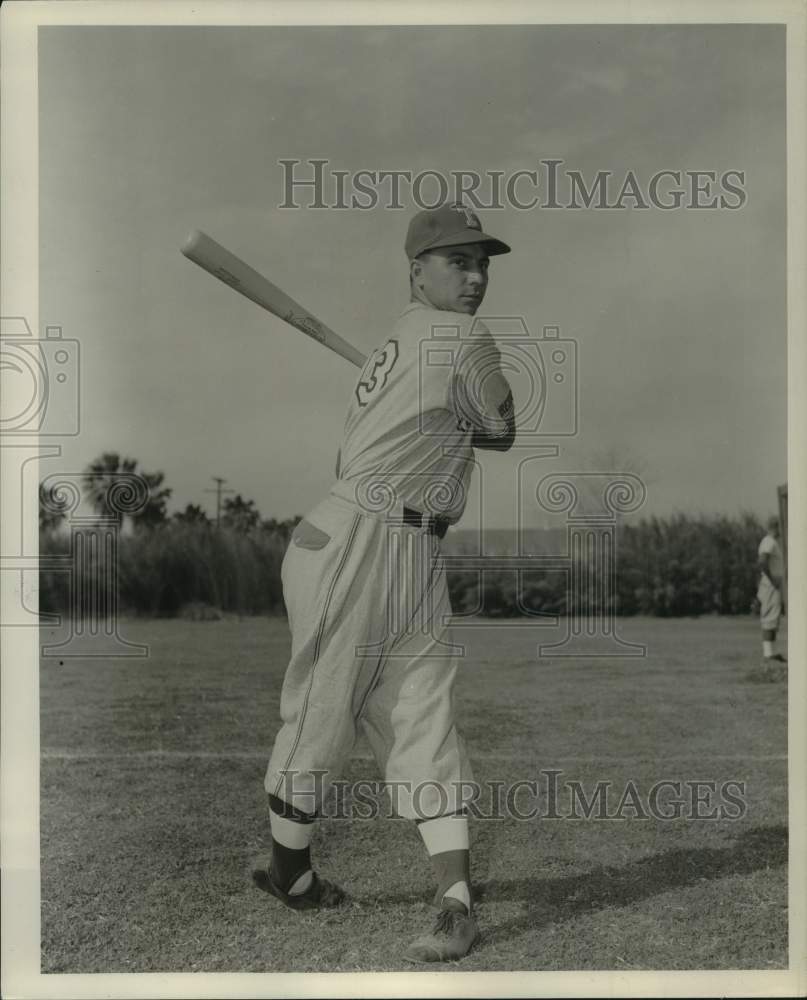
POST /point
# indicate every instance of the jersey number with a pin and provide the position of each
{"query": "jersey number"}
(375, 378)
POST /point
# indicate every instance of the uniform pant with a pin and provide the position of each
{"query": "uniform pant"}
(770, 605)
(371, 649)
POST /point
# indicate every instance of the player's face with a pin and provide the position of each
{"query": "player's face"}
(454, 278)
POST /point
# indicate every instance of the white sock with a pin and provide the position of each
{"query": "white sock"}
(460, 891)
(446, 833)
(290, 833)
(767, 648)
(302, 884)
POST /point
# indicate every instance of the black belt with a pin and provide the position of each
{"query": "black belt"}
(434, 525)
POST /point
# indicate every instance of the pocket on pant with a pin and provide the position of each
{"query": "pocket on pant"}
(308, 536)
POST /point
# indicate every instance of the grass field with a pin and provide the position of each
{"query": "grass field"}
(153, 812)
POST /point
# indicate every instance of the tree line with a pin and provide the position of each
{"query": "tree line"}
(667, 567)
(674, 566)
(168, 564)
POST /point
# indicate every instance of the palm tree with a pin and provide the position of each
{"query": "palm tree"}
(50, 516)
(101, 474)
(154, 512)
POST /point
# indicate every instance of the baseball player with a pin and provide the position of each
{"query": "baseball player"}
(769, 591)
(365, 586)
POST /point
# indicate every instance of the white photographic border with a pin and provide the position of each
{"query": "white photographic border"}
(20, 693)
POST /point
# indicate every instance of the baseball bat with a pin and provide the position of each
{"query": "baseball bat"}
(218, 261)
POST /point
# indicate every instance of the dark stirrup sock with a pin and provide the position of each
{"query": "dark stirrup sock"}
(446, 840)
(291, 838)
(450, 868)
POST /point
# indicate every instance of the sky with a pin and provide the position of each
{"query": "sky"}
(679, 317)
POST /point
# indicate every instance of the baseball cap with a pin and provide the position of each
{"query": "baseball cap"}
(448, 226)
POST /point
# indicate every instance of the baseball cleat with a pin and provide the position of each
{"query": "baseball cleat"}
(451, 938)
(320, 895)
(776, 658)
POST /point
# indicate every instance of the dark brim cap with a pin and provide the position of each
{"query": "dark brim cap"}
(448, 226)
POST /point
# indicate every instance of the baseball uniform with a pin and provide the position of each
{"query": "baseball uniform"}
(770, 597)
(364, 581)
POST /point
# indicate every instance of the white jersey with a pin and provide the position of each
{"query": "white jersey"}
(419, 397)
(771, 548)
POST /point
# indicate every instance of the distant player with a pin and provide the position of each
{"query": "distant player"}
(769, 592)
(365, 584)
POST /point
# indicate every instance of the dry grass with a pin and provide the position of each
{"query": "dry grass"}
(153, 810)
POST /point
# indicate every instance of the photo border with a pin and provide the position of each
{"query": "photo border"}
(19, 779)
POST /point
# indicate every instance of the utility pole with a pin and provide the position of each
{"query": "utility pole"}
(219, 491)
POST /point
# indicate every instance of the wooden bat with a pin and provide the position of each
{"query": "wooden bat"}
(225, 266)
